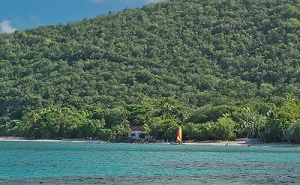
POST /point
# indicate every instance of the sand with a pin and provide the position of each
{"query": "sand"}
(204, 143)
(242, 143)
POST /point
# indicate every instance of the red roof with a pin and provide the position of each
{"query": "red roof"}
(136, 128)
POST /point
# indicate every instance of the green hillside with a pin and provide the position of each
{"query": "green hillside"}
(221, 68)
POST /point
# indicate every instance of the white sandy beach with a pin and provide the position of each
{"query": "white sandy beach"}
(203, 143)
(46, 140)
(241, 143)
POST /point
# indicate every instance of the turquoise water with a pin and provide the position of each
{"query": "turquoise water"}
(91, 162)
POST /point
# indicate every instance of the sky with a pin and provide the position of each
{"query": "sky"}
(27, 14)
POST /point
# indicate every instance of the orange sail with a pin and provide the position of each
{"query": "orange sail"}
(179, 135)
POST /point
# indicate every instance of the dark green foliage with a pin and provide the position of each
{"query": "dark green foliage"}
(222, 129)
(163, 128)
(292, 133)
(165, 64)
(272, 129)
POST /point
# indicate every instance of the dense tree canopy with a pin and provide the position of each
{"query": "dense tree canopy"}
(222, 69)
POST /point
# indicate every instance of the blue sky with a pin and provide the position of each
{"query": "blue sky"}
(26, 14)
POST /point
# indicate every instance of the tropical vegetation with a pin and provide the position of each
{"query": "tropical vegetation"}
(222, 69)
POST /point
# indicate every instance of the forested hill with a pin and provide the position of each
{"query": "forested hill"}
(187, 61)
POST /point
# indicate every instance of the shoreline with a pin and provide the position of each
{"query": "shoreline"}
(242, 143)
(199, 143)
(48, 140)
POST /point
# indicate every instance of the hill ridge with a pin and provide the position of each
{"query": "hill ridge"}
(187, 55)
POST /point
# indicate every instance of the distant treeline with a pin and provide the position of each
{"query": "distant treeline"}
(161, 121)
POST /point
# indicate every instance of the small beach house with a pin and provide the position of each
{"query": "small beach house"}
(137, 133)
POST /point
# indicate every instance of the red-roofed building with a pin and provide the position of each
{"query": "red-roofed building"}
(137, 133)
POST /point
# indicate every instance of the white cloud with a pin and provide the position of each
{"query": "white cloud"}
(5, 27)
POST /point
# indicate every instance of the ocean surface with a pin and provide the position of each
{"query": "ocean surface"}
(26, 162)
